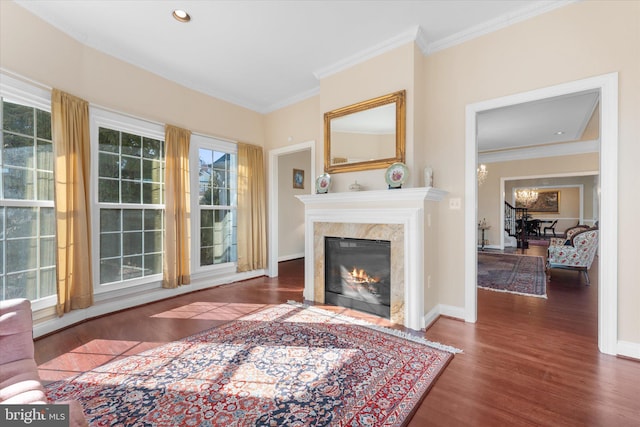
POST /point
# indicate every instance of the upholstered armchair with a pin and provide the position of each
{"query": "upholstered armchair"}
(569, 233)
(575, 256)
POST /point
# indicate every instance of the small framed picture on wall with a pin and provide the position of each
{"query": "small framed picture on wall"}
(298, 178)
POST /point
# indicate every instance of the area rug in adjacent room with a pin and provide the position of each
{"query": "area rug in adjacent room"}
(518, 274)
(285, 365)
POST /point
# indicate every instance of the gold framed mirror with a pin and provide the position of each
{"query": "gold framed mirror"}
(367, 135)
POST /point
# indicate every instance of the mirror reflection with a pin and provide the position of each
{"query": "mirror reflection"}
(367, 135)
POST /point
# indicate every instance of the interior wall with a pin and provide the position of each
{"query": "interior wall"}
(290, 209)
(574, 42)
(489, 205)
(36, 50)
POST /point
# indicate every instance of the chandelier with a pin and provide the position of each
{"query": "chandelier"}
(482, 173)
(527, 196)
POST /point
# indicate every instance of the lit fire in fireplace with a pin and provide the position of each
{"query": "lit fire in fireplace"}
(359, 276)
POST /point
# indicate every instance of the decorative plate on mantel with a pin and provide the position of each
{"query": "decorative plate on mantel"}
(397, 175)
(322, 183)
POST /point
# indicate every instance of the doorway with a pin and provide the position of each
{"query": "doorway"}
(274, 184)
(607, 273)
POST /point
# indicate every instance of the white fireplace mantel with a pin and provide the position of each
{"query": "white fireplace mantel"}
(398, 206)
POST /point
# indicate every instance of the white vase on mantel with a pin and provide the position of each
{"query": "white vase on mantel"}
(428, 176)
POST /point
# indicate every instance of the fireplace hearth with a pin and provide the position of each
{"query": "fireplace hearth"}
(358, 274)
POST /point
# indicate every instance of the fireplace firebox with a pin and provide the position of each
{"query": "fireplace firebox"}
(358, 274)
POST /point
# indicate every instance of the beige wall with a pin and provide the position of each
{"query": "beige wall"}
(574, 42)
(36, 50)
(290, 209)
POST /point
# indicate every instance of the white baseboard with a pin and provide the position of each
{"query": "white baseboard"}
(628, 349)
(443, 310)
(290, 257)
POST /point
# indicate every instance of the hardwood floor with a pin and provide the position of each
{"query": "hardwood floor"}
(527, 361)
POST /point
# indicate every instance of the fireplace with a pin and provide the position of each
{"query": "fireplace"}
(402, 217)
(358, 274)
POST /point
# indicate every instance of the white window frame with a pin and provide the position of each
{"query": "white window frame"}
(208, 143)
(32, 95)
(123, 123)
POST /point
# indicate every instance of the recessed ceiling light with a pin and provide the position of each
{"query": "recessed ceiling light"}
(181, 15)
(560, 132)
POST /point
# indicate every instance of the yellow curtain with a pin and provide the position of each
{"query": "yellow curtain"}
(70, 126)
(252, 217)
(176, 268)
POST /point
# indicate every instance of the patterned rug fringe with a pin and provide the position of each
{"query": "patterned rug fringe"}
(361, 322)
(513, 292)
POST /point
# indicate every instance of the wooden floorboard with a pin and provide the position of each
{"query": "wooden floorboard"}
(526, 362)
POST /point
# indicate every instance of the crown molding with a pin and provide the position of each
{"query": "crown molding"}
(291, 100)
(375, 50)
(498, 23)
(564, 149)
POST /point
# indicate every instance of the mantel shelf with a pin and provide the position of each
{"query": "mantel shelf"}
(386, 196)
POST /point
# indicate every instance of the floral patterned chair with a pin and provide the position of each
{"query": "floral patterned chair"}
(569, 233)
(576, 256)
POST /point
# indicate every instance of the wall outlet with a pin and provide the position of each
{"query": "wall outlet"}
(455, 203)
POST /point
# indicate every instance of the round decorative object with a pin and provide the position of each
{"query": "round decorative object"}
(397, 175)
(355, 186)
(322, 183)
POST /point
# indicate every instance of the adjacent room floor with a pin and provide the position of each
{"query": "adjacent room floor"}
(527, 361)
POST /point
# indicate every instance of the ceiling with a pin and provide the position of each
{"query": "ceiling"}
(264, 55)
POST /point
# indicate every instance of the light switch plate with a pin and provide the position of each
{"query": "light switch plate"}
(455, 203)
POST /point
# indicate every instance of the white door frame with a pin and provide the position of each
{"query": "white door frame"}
(272, 185)
(608, 245)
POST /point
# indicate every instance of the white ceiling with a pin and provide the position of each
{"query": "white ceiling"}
(264, 55)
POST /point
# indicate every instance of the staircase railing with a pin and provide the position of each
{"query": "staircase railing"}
(515, 224)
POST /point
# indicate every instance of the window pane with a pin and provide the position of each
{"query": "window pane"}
(43, 124)
(131, 219)
(110, 245)
(47, 282)
(110, 220)
(153, 264)
(45, 185)
(22, 222)
(17, 183)
(45, 155)
(152, 241)
(130, 168)
(132, 267)
(47, 252)
(17, 118)
(110, 270)
(217, 241)
(108, 165)
(108, 140)
(152, 148)
(153, 219)
(108, 191)
(131, 192)
(47, 222)
(22, 285)
(132, 243)
(22, 254)
(152, 171)
(152, 194)
(18, 151)
(131, 144)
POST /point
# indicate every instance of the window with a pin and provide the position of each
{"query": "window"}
(130, 193)
(27, 217)
(214, 210)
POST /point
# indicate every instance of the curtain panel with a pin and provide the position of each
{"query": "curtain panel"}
(70, 127)
(176, 266)
(252, 217)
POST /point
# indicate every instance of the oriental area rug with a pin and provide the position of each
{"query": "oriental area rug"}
(285, 365)
(517, 274)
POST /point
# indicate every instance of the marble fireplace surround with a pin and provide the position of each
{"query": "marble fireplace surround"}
(394, 215)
